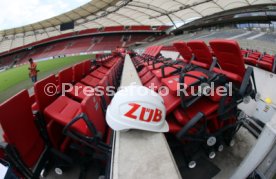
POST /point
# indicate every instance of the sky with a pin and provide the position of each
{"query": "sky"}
(16, 13)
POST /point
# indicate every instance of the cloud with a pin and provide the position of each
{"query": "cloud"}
(16, 13)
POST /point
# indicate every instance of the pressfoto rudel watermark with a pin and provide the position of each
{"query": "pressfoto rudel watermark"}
(203, 89)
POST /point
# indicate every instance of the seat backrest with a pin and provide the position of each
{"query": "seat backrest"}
(19, 127)
(92, 107)
(157, 50)
(149, 51)
(65, 76)
(201, 51)
(104, 84)
(86, 67)
(44, 92)
(184, 50)
(268, 58)
(77, 72)
(229, 56)
(153, 48)
(146, 51)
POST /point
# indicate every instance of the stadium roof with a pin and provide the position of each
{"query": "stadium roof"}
(103, 13)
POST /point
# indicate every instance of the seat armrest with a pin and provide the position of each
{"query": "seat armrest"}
(192, 99)
(274, 65)
(42, 127)
(167, 65)
(249, 74)
(193, 58)
(94, 142)
(214, 63)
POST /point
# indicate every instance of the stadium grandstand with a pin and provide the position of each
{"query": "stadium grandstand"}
(206, 67)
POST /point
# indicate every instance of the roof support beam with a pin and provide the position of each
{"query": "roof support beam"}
(218, 5)
(171, 20)
(196, 11)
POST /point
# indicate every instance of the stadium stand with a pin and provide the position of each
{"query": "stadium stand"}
(68, 43)
(32, 40)
(188, 47)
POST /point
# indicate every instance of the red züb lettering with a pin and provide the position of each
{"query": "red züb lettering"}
(142, 115)
(146, 114)
(132, 110)
(157, 115)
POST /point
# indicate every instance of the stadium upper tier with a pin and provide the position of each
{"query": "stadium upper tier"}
(98, 14)
(15, 44)
(60, 46)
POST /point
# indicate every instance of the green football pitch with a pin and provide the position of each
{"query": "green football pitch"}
(16, 79)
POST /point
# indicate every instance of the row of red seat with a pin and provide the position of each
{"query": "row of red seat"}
(43, 127)
(261, 60)
(152, 52)
(212, 114)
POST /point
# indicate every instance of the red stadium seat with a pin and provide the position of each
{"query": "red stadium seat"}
(57, 109)
(65, 112)
(171, 101)
(29, 144)
(66, 77)
(97, 74)
(62, 108)
(143, 72)
(78, 72)
(203, 56)
(267, 62)
(167, 70)
(154, 82)
(250, 61)
(252, 58)
(104, 83)
(203, 105)
(147, 77)
(226, 51)
(42, 99)
(155, 65)
(91, 106)
(109, 64)
(77, 92)
(86, 67)
(91, 81)
(184, 51)
(157, 51)
(103, 70)
(173, 81)
(21, 132)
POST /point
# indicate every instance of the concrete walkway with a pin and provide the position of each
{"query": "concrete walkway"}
(141, 154)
